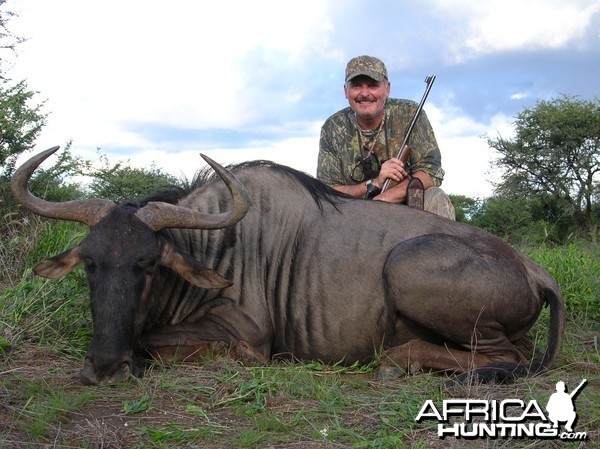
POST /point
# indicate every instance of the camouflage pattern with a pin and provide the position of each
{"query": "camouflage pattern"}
(366, 65)
(340, 151)
(438, 202)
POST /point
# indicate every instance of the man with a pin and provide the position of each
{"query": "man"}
(560, 407)
(358, 144)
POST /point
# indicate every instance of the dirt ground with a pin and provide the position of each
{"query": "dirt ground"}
(44, 405)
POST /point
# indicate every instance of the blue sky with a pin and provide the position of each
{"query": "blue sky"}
(158, 82)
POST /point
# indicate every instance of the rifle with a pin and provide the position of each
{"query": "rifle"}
(577, 388)
(404, 152)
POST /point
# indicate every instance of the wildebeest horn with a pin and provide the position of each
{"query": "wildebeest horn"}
(88, 212)
(159, 215)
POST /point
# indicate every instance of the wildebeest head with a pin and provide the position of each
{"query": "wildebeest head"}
(121, 255)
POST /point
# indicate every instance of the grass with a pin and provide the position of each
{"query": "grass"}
(49, 312)
(224, 404)
(576, 268)
(219, 403)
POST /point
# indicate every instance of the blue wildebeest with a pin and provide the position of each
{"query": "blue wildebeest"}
(268, 262)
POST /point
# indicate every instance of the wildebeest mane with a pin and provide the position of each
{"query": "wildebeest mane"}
(318, 190)
(168, 194)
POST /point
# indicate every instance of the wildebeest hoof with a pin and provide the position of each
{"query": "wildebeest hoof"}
(388, 373)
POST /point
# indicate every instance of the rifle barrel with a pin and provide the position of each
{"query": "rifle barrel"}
(578, 387)
(429, 81)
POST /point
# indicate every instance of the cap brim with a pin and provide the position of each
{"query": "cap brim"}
(374, 75)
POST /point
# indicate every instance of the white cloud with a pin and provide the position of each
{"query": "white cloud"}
(300, 153)
(110, 70)
(503, 25)
(466, 156)
(181, 64)
(518, 96)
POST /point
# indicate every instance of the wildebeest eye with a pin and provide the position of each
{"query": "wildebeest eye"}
(146, 264)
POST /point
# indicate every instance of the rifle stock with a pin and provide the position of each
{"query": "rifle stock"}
(404, 154)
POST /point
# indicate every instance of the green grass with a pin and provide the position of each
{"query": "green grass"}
(42, 406)
(45, 327)
(137, 406)
(48, 407)
(48, 312)
(193, 405)
(576, 268)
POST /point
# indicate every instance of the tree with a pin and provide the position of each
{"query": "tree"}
(523, 221)
(20, 124)
(464, 207)
(20, 121)
(121, 182)
(8, 41)
(556, 152)
(56, 183)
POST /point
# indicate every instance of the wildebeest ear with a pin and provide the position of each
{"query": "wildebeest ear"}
(60, 265)
(190, 269)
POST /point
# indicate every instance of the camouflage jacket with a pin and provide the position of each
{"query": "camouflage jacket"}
(340, 149)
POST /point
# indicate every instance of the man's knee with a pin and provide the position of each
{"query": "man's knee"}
(438, 202)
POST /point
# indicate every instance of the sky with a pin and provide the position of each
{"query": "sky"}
(155, 82)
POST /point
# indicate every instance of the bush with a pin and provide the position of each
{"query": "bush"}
(525, 221)
(120, 182)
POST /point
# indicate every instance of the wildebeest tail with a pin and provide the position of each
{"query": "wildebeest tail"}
(556, 330)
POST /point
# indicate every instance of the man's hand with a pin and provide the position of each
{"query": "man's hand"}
(396, 193)
(392, 169)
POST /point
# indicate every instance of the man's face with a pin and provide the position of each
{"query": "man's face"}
(367, 96)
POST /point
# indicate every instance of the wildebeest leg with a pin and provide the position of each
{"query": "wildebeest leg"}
(240, 350)
(416, 355)
(185, 353)
(192, 341)
(459, 305)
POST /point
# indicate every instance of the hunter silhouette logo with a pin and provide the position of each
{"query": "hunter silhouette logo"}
(561, 406)
(508, 418)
